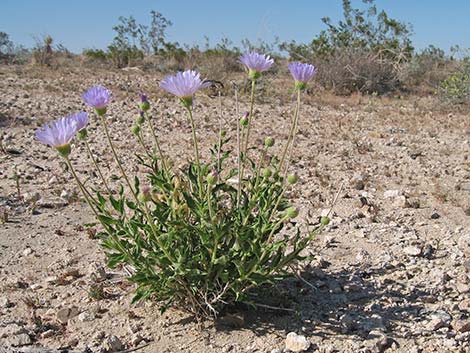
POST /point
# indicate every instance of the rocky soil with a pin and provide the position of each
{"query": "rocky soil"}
(390, 273)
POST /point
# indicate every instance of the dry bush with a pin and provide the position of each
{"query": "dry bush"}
(349, 71)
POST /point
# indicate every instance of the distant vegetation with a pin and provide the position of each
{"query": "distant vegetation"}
(365, 52)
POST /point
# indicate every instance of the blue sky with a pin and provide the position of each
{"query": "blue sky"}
(88, 23)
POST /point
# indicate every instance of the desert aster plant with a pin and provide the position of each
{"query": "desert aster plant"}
(184, 85)
(256, 63)
(58, 134)
(302, 74)
(97, 97)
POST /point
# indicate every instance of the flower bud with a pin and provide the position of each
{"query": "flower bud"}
(145, 195)
(144, 103)
(223, 133)
(324, 221)
(267, 173)
(82, 134)
(292, 179)
(140, 119)
(269, 142)
(135, 129)
(292, 212)
(244, 121)
(211, 179)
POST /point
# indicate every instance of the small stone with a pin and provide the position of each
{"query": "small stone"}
(22, 339)
(31, 197)
(66, 195)
(435, 215)
(86, 316)
(113, 344)
(412, 250)
(65, 314)
(5, 303)
(136, 339)
(11, 330)
(461, 325)
(27, 251)
(464, 305)
(383, 344)
(296, 343)
(47, 334)
(401, 202)
(436, 324)
(392, 194)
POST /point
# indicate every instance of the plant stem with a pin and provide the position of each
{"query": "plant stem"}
(291, 132)
(96, 166)
(157, 143)
(105, 126)
(85, 193)
(247, 136)
(196, 149)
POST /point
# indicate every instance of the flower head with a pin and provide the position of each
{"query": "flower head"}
(80, 118)
(58, 134)
(256, 63)
(184, 85)
(302, 73)
(97, 97)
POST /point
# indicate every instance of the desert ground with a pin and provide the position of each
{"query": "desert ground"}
(390, 272)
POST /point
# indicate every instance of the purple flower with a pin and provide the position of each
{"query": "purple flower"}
(80, 118)
(256, 63)
(143, 98)
(58, 134)
(302, 73)
(97, 97)
(184, 85)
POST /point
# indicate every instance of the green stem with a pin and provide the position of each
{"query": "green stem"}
(196, 149)
(142, 143)
(105, 126)
(85, 193)
(247, 136)
(157, 143)
(96, 166)
(291, 132)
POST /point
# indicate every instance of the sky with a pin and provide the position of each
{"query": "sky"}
(88, 23)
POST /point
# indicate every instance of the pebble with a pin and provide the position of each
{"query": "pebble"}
(22, 339)
(113, 344)
(412, 250)
(296, 343)
(65, 314)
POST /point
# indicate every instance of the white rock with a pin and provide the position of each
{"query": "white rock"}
(412, 250)
(392, 193)
(296, 343)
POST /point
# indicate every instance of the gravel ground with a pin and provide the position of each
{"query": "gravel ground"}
(390, 272)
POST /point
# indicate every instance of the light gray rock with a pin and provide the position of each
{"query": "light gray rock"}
(296, 343)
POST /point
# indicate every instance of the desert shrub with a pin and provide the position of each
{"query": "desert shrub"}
(200, 237)
(378, 45)
(43, 53)
(455, 89)
(352, 71)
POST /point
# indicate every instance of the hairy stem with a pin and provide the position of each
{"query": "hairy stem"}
(291, 132)
(97, 167)
(196, 149)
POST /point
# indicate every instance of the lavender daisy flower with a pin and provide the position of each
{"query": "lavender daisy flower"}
(97, 97)
(80, 118)
(184, 85)
(58, 134)
(302, 73)
(256, 63)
